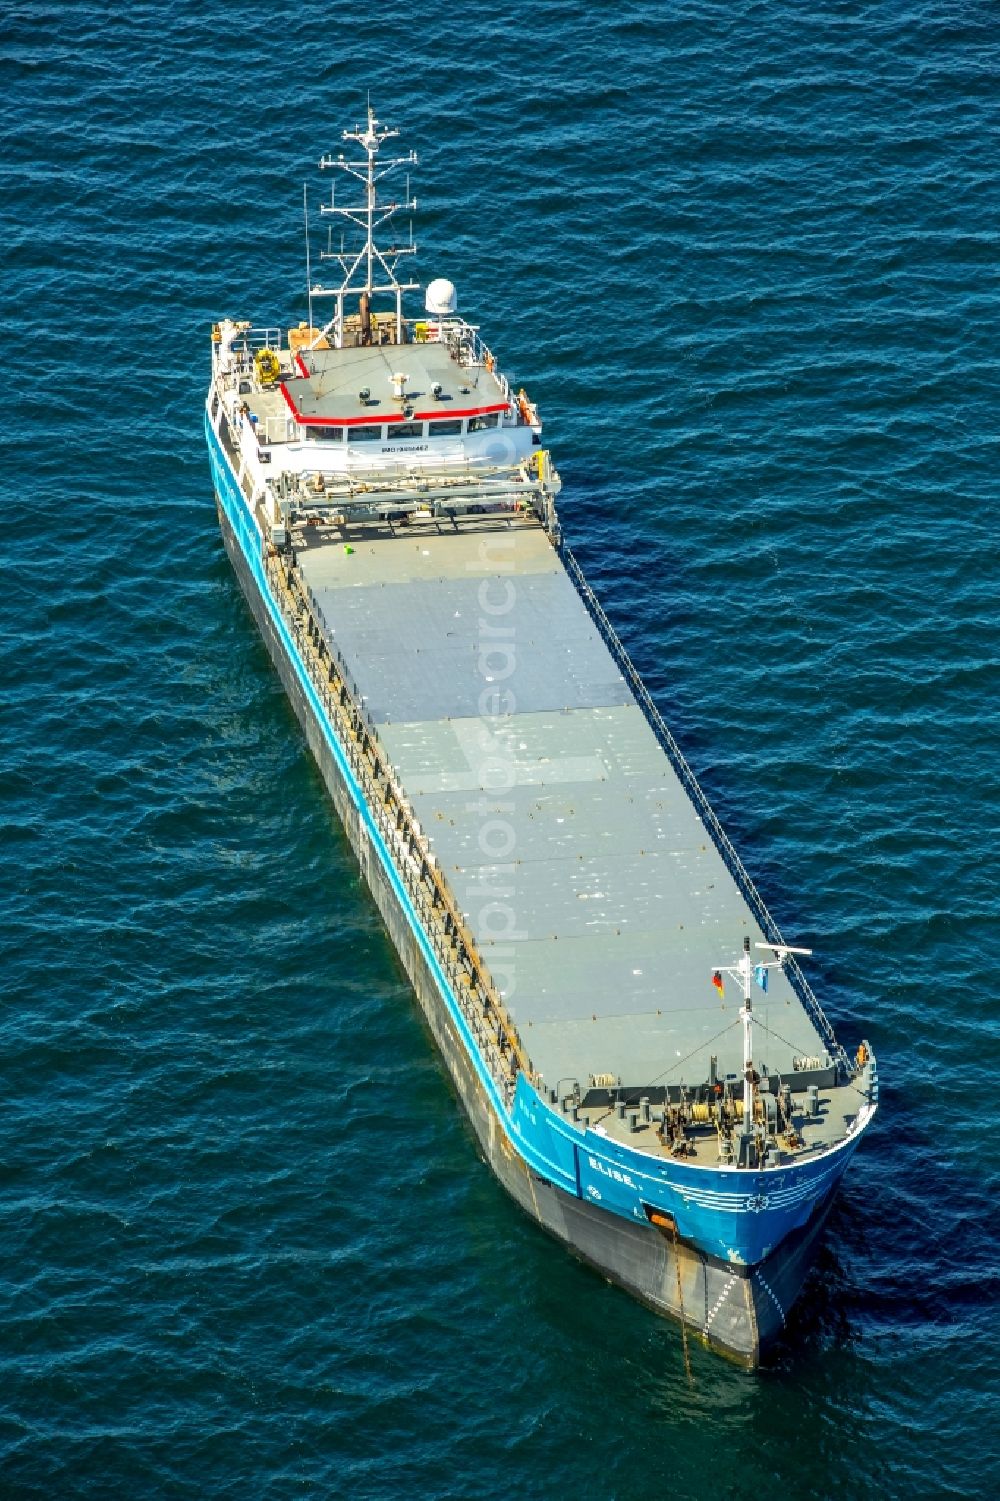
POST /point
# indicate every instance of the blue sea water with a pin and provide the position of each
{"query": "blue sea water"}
(745, 258)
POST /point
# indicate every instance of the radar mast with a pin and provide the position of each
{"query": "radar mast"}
(370, 269)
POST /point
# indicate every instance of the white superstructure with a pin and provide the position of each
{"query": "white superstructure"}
(374, 412)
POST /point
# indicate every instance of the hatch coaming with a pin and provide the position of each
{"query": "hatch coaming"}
(589, 881)
(414, 858)
(428, 619)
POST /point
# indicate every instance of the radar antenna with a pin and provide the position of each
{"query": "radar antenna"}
(369, 269)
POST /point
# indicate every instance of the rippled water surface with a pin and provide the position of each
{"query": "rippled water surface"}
(745, 258)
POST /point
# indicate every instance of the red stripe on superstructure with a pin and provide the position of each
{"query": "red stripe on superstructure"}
(442, 412)
(303, 369)
(439, 414)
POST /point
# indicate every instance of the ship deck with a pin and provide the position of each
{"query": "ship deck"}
(595, 893)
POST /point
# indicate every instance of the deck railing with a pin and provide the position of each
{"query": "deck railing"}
(258, 338)
(483, 355)
(694, 790)
(481, 1004)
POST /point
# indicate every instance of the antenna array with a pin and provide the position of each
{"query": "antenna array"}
(370, 269)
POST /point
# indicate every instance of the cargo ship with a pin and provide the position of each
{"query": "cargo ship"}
(640, 1054)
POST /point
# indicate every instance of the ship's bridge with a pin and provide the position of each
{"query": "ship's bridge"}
(369, 388)
(435, 398)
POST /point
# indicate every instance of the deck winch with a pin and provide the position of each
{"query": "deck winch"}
(773, 1126)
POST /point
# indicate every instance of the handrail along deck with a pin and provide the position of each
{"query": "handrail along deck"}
(496, 1035)
(719, 836)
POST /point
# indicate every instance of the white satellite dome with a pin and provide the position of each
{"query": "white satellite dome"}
(441, 296)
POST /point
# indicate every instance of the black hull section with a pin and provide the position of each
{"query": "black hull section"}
(738, 1313)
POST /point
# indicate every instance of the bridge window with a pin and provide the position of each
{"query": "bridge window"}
(326, 434)
(445, 429)
(405, 430)
(488, 419)
(370, 434)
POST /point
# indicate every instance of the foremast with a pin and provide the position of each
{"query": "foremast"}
(753, 1142)
(368, 270)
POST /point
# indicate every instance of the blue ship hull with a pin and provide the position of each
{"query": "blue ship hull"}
(730, 1227)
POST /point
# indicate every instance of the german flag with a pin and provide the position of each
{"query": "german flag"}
(717, 982)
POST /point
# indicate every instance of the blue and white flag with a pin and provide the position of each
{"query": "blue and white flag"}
(760, 975)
